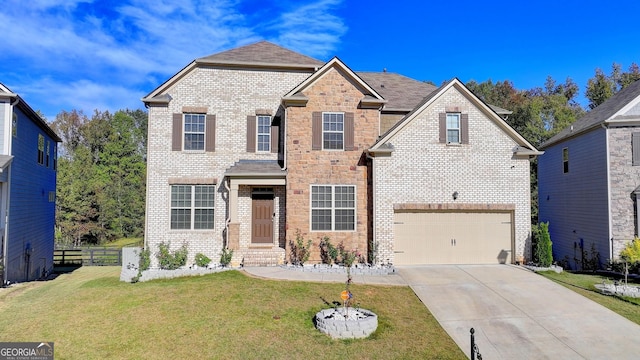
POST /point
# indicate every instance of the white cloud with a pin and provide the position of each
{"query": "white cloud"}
(86, 55)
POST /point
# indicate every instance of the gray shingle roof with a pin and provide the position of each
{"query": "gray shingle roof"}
(598, 115)
(262, 52)
(267, 168)
(401, 92)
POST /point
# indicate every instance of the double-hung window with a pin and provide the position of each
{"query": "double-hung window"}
(40, 149)
(453, 128)
(264, 133)
(192, 206)
(565, 160)
(333, 131)
(333, 207)
(194, 126)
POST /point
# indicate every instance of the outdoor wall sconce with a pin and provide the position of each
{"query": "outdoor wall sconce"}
(455, 195)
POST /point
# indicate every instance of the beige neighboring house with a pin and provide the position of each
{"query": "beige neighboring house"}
(250, 146)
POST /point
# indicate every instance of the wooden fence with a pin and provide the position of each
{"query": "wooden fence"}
(87, 256)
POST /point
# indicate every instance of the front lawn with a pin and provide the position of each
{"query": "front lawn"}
(90, 314)
(584, 284)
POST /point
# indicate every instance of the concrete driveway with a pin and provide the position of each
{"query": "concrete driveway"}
(517, 314)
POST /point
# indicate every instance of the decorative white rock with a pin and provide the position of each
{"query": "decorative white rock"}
(358, 323)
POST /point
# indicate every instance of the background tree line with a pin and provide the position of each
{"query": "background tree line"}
(102, 160)
(101, 176)
(541, 112)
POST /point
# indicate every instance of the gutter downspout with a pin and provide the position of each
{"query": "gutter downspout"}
(284, 139)
(609, 217)
(228, 220)
(373, 211)
(7, 190)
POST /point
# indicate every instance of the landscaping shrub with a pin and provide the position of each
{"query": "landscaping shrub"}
(226, 256)
(299, 250)
(202, 260)
(328, 252)
(631, 252)
(169, 260)
(543, 245)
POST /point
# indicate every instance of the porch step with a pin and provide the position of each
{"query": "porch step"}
(262, 257)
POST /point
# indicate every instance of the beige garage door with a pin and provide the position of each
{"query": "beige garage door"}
(452, 238)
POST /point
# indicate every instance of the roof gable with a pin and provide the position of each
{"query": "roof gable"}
(615, 107)
(524, 147)
(295, 96)
(260, 55)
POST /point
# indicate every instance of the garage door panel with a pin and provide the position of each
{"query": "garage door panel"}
(452, 238)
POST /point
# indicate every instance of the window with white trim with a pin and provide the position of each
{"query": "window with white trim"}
(333, 131)
(194, 131)
(264, 133)
(565, 160)
(453, 128)
(192, 206)
(333, 208)
(40, 149)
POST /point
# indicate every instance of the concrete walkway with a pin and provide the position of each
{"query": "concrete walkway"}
(280, 273)
(517, 314)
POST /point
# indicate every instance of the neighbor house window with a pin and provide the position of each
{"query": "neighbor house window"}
(192, 206)
(40, 149)
(264, 133)
(333, 207)
(55, 157)
(194, 131)
(635, 148)
(565, 160)
(333, 131)
(47, 153)
(14, 125)
(453, 128)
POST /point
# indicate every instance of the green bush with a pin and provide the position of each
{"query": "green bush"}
(543, 245)
(299, 250)
(631, 252)
(202, 260)
(169, 260)
(328, 252)
(226, 256)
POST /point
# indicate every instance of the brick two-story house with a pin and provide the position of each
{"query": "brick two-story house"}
(250, 146)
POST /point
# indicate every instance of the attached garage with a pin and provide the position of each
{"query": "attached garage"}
(452, 237)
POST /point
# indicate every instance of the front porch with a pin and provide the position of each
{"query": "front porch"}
(256, 213)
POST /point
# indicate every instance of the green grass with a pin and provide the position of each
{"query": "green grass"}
(122, 242)
(583, 284)
(90, 314)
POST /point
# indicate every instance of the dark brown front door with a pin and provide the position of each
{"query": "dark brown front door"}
(262, 222)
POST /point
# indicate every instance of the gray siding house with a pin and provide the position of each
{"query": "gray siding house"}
(589, 178)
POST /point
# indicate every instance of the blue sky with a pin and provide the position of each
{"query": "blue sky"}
(106, 55)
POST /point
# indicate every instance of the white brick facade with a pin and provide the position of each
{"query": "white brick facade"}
(231, 95)
(421, 170)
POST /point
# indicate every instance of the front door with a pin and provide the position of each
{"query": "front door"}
(262, 219)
